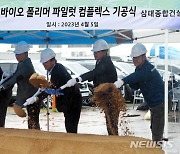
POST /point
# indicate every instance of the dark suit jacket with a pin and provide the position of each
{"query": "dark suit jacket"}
(21, 76)
(104, 72)
(71, 100)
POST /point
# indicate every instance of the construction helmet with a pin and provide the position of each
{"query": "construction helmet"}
(100, 45)
(138, 50)
(46, 55)
(21, 47)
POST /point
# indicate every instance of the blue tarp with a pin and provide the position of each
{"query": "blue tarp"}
(173, 53)
(66, 36)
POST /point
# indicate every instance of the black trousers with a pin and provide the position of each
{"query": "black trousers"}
(5, 97)
(3, 110)
(72, 120)
(157, 122)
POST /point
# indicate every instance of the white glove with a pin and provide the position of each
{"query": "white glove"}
(71, 82)
(119, 83)
(30, 100)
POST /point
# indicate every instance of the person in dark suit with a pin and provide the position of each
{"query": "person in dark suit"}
(24, 89)
(70, 102)
(148, 80)
(104, 71)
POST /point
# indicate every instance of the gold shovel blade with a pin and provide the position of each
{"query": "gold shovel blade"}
(19, 111)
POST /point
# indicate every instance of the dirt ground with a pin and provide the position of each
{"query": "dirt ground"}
(91, 138)
(32, 141)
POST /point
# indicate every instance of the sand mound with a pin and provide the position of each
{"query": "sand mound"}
(17, 141)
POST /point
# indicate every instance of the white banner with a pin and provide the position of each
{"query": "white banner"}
(76, 18)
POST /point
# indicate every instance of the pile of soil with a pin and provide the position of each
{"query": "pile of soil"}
(110, 100)
(19, 141)
(39, 81)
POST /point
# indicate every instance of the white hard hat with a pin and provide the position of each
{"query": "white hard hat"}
(21, 47)
(100, 45)
(46, 55)
(137, 50)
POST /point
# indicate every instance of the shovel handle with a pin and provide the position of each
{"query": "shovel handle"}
(63, 87)
(40, 90)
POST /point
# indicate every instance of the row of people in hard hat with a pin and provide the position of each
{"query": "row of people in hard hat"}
(69, 103)
(146, 78)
